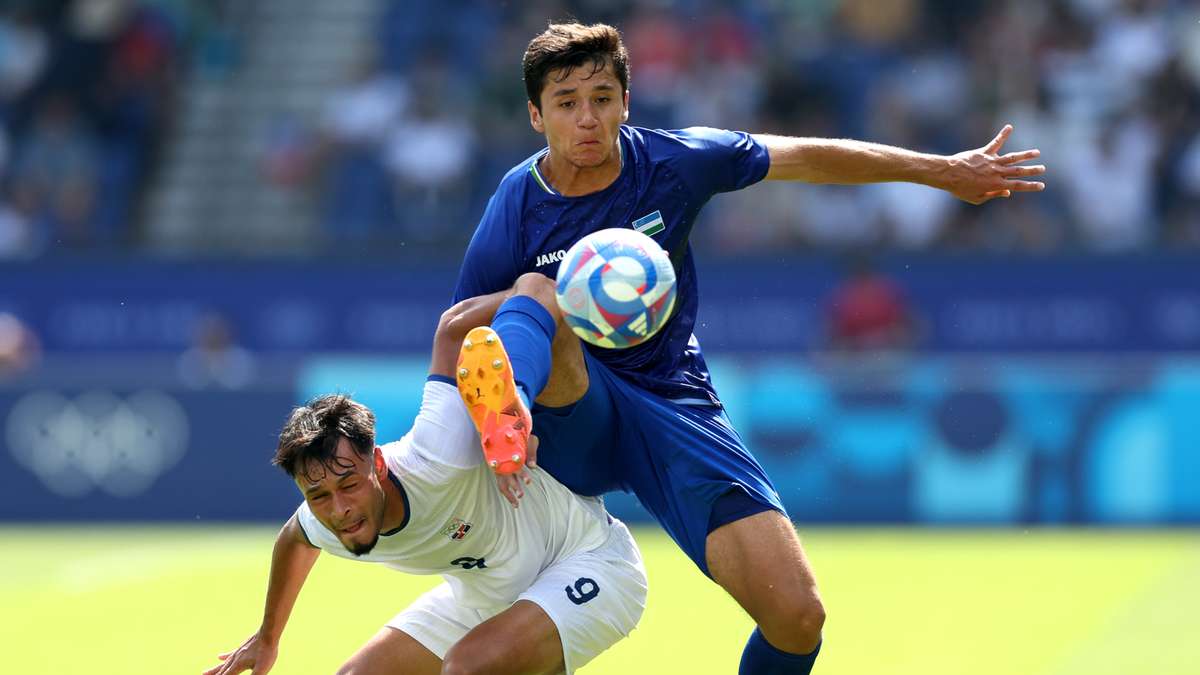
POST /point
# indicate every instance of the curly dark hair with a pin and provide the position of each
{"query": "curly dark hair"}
(314, 429)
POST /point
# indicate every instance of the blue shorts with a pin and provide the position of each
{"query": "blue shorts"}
(685, 463)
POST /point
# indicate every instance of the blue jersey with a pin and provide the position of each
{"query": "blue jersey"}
(666, 178)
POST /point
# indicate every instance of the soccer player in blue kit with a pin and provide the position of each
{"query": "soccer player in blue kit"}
(650, 421)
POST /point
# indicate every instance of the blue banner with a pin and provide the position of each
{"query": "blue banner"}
(968, 304)
(966, 440)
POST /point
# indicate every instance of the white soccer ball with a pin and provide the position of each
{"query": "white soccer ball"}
(616, 288)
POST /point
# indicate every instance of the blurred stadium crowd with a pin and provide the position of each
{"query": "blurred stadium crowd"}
(87, 97)
(411, 145)
(239, 204)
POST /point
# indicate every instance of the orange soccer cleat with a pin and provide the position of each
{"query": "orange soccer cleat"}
(486, 384)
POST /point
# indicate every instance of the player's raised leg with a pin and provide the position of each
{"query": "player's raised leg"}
(759, 561)
(503, 367)
(547, 362)
(392, 651)
(568, 378)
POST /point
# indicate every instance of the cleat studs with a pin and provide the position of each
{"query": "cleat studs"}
(463, 373)
(490, 339)
(516, 457)
(494, 463)
(467, 344)
(497, 364)
(508, 436)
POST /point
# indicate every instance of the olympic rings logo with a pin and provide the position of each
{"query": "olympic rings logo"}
(120, 445)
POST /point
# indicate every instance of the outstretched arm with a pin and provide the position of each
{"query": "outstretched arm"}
(291, 562)
(974, 176)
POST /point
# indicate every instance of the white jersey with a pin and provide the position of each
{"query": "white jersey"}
(458, 525)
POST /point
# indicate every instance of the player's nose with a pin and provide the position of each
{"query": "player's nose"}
(587, 117)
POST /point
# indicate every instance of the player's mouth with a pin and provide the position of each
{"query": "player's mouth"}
(355, 527)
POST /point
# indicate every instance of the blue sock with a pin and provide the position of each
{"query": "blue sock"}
(760, 658)
(527, 331)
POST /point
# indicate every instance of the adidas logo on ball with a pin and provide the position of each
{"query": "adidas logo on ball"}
(616, 288)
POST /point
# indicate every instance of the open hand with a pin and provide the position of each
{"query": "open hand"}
(254, 655)
(511, 485)
(977, 176)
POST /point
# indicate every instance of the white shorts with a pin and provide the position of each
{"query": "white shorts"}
(594, 599)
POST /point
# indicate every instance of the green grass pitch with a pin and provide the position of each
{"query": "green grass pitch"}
(157, 600)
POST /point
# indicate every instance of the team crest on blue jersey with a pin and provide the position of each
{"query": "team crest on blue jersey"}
(456, 528)
(650, 224)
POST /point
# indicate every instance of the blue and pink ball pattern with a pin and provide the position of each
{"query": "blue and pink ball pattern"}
(616, 288)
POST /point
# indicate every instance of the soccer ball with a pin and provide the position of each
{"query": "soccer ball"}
(616, 288)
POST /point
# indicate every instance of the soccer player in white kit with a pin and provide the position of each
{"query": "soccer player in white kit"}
(542, 588)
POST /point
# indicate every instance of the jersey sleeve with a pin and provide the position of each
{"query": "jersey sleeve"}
(443, 432)
(720, 161)
(492, 262)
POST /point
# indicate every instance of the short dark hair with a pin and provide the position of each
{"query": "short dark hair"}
(568, 46)
(313, 431)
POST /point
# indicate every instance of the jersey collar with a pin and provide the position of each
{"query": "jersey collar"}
(407, 506)
(537, 175)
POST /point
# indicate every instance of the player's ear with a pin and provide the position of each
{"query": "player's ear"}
(535, 118)
(625, 113)
(380, 464)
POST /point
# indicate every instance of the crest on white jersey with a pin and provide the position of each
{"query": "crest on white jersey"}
(456, 528)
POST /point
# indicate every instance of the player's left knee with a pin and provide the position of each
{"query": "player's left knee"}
(537, 286)
(468, 660)
(795, 624)
(810, 620)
